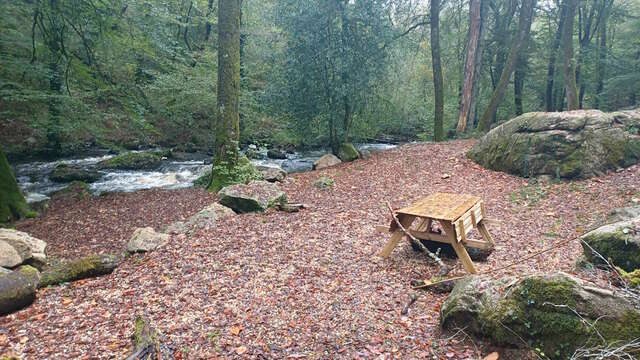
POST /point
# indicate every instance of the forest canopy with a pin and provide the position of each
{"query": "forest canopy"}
(124, 74)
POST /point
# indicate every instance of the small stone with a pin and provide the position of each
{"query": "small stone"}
(272, 173)
(146, 239)
(445, 176)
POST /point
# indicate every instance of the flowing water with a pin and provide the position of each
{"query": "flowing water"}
(33, 177)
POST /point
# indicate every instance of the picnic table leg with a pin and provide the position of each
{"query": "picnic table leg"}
(460, 250)
(482, 229)
(397, 235)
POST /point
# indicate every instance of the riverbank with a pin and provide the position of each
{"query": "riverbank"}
(306, 284)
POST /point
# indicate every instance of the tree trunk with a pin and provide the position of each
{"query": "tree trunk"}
(549, 98)
(475, 90)
(469, 68)
(438, 82)
(602, 52)
(519, 41)
(568, 63)
(518, 83)
(227, 133)
(18, 289)
(147, 342)
(207, 27)
(82, 268)
(12, 203)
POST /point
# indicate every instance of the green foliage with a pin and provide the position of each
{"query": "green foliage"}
(243, 173)
(12, 203)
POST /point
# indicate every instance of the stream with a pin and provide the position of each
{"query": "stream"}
(33, 177)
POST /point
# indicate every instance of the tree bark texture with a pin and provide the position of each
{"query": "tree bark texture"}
(469, 67)
(438, 82)
(568, 62)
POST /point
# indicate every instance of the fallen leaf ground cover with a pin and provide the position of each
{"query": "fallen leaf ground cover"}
(301, 285)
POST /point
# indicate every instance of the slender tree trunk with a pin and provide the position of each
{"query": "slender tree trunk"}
(227, 133)
(12, 203)
(475, 90)
(54, 43)
(568, 63)
(602, 52)
(207, 27)
(518, 83)
(549, 98)
(438, 82)
(186, 26)
(519, 42)
(469, 68)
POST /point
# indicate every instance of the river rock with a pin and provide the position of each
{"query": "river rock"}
(348, 152)
(18, 289)
(4, 271)
(207, 217)
(572, 144)
(326, 161)
(619, 241)
(19, 239)
(146, 239)
(272, 173)
(133, 161)
(276, 154)
(257, 196)
(67, 173)
(10, 256)
(540, 311)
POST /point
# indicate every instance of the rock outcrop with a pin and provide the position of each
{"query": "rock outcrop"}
(326, 161)
(572, 144)
(146, 239)
(556, 313)
(257, 196)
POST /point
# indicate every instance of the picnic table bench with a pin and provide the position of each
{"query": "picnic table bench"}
(457, 214)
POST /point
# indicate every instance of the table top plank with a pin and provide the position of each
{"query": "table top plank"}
(441, 206)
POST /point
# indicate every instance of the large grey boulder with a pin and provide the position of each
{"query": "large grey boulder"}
(572, 144)
(257, 196)
(21, 240)
(326, 161)
(146, 239)
(206, 218)
(12, 257)
(557, 313)
(272, 173)
(619, 242)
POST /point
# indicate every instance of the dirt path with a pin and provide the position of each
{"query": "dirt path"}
(308, 284)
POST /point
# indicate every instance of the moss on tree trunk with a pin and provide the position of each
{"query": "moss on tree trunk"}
(12, 203)
(227, 131)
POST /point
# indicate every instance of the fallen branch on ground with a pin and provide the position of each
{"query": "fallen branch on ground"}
(444, 269)
(148, 343)
(85, 267)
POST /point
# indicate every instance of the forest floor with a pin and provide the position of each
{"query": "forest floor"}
(301, 285)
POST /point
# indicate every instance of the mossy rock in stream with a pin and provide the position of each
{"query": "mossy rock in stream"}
(67, 173)
(242, 173)
(134, 161)
(571, 144)
(541, 311)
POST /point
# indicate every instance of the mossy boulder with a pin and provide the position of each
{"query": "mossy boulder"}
(323, 182)
(276, 154)
(541, 311)
(133, 161)
(222, 176)
(18, 289)
(619, 242)
(572, 144)
(64, 173)
(77, 269)
(347, 152)
(257, 196)
(13, 205)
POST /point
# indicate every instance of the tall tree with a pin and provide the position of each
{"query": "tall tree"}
(602, 51)
(12, 203)
(470, 64)
(551, 68)
(568, 62)
(475, 90)
(227, 133)
(519, 41)
(438, 82)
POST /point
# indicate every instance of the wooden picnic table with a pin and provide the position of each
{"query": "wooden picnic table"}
(457, 214)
